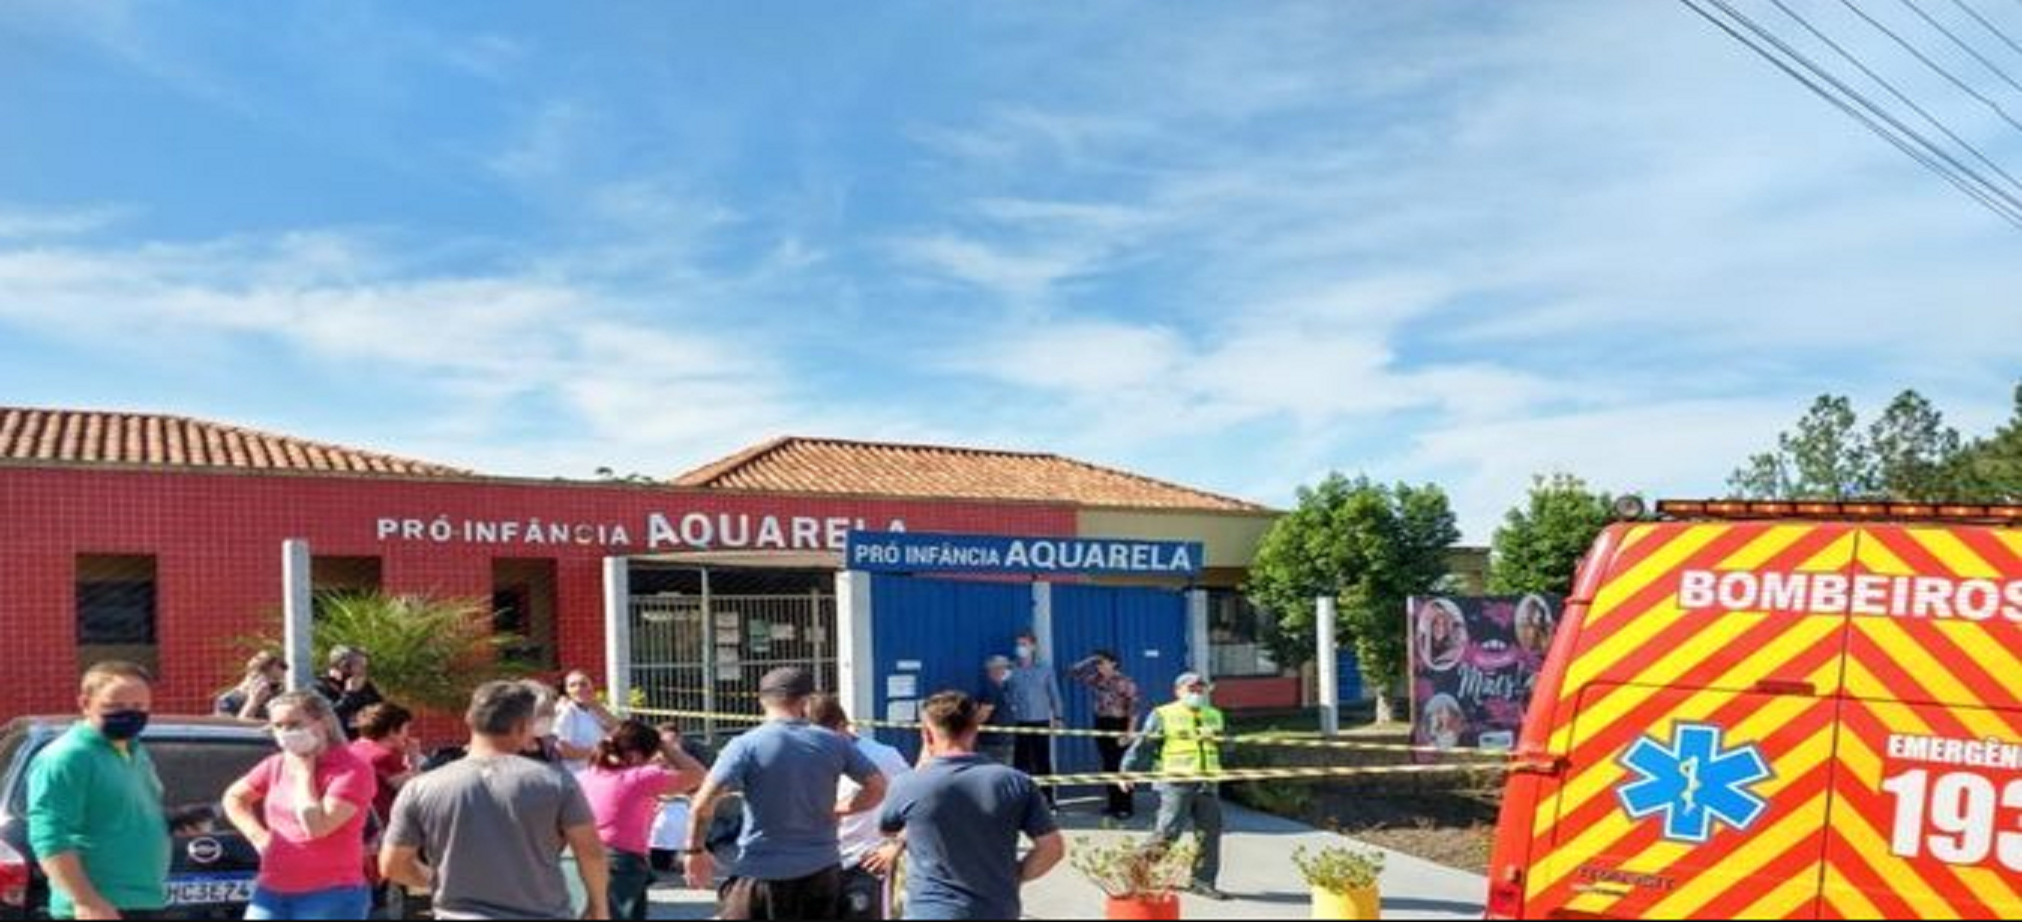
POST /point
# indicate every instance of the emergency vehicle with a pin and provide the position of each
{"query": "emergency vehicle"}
(1778, 710)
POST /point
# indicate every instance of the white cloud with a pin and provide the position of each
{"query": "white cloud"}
(29, 223)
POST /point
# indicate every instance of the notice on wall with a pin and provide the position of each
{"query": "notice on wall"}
(902, 686)
(910, 665)
(1474, 664)
(902, 712)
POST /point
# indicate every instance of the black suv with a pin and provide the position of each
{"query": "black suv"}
(198, 759)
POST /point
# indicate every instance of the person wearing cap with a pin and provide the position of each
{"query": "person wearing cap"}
(993, 709)
(1185, 738)
(789, 857)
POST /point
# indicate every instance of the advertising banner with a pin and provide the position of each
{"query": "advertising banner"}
(1474, 663)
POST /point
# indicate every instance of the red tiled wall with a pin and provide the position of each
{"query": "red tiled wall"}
(217, 540)
(1266, 694)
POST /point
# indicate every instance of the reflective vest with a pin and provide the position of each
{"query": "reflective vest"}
(1193, 740)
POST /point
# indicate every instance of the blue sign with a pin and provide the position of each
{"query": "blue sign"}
(1696, 784)
(904, 552)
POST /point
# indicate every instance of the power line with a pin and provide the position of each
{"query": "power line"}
(1893, 90)
(1969, 176)
(1937, 68)
(1990, 26)
(1963, 45)
(1993, 203)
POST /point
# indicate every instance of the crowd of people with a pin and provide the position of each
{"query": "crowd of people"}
(557, 807)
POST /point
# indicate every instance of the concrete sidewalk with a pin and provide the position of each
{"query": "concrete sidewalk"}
(1258, 871)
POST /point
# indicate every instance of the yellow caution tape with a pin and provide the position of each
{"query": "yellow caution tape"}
(1242, 741)
(1237, 775)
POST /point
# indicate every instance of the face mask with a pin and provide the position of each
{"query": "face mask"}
(1025, 651)
(1194, 700)
(123, 726)
(300, 742)
(544, 727)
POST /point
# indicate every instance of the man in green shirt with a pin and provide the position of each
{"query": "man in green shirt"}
(95, 818)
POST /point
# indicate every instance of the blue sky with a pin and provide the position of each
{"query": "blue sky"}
(1232, 244)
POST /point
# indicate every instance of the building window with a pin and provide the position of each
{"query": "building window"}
(523, 605)
(344, 575)
(1241, 634)
(117, 610)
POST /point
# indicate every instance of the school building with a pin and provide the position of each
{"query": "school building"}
(159, 539)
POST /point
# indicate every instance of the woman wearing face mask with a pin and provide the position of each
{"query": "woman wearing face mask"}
(633, 771)
(305, 810)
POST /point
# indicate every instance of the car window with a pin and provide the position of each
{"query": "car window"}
(194, 773)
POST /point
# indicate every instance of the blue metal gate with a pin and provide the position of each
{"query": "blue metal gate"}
(931, 636)
(1145, 628)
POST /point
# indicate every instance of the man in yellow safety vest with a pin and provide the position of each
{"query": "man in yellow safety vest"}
(1184, 739)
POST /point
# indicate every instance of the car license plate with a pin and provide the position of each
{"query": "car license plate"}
(210, 891)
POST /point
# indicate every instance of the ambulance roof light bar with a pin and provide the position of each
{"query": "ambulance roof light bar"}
(1809, 509)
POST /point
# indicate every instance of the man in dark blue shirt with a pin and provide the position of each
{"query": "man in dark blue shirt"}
(960, 817)
(993, 709)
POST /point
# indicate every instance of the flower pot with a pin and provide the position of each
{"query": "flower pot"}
(1145, 909)
(1365, 903)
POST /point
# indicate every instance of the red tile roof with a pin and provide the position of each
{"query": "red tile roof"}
(831, 466)
(146, 440)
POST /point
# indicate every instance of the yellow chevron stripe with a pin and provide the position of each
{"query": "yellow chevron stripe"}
(1801, 761)
(1784, 901)
(1635, 637)
(1636, 536)
(1583, 788)
(1739, 869)
(1979, 642)
(1865, 767)
(2011, 537)
(1835, 557)
(1961, 559)
(1879, 558)
(1773, 542)
(1601, 780)
(1621, 587)
(1933, 675)
(1850, 901)
(1866, 842)
(1597, 716)
(1994, 889)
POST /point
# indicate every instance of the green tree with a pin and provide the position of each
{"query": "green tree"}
(1539, 546)
(1991, 468)
(1370, 546)
(1907, 454)
(426, 652)
(1915, 455)
(1824, 458)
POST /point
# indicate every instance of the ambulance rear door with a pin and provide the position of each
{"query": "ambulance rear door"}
(1927, 816)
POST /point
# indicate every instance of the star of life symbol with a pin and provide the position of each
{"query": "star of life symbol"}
(1695, 783)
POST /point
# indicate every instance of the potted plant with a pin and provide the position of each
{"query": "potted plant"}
(1141, 883)
(1344, 881)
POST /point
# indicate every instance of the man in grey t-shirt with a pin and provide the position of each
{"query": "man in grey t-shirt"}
(486, 834)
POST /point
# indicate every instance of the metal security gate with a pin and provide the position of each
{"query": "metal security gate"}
(696, 649)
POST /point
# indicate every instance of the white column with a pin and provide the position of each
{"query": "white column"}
(298, 612)
(1042, 626)
(1199, 641)
(856, 656)
(1328, 665)
(618, 631)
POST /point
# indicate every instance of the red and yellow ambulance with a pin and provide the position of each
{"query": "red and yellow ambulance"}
(1778, 710)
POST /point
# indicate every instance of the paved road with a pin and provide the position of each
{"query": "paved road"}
(1258, 858)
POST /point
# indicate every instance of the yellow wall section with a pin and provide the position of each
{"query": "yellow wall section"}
(1232, 539)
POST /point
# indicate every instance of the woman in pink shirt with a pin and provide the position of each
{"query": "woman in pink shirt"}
(305, 810)
(633, 771)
